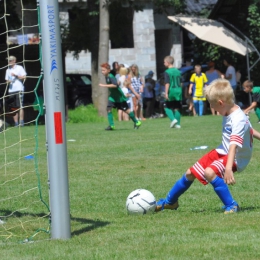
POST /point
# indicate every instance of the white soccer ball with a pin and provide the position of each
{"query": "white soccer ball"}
(140, 202)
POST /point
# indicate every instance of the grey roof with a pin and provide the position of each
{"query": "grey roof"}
(195, 6)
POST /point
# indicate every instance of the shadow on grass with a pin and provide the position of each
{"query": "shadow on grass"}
(242, 209)
(5, 214)
(88, 224)
(91, 225)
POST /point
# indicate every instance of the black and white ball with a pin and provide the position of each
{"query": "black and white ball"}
(140, 202)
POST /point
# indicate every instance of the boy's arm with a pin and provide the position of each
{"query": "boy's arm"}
(252, 106)
(190, 88)
(229, 175)
(107, 85)
(256, 134)
(167, 85)
(192, 80)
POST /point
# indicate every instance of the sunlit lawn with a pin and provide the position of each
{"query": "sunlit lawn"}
(104, 167)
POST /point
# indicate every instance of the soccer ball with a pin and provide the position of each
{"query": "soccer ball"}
(2, 125)
(140, 202)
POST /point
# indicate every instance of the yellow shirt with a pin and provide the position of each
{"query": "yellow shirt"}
(199, 81)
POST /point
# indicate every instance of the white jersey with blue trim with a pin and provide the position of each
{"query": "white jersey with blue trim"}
(236, 129)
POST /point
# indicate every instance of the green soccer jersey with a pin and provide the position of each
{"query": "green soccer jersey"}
(256, 95)
(173, 77)
(116, 94)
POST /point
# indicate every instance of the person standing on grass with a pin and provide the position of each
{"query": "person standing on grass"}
(173, 92)
(218, 166)
(198, 81)
(14, 76)
(212, 74)
(248, 87)
(138, 85)
(230, 74)
(116, 98)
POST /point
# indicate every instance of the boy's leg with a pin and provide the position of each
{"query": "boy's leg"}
(110, 116)
(170, 114)
(201, 107)
(171, 200)
(221, 189)
(132, 116)
(168, 111)
(257, 111)
(177, 115)
(196, 107)
(110, 119)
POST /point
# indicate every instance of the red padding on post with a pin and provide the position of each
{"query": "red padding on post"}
(58, 128)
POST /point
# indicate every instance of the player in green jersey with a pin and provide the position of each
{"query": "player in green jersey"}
(249, 88)
(173, 92)
(116, 97)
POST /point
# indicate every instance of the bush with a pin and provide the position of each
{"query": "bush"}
(87, 114)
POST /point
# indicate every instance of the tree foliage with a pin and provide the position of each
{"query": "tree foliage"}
(164, 6)
(254, 25)
(9, 18)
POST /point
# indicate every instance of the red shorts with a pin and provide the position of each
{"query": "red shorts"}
(217, 162)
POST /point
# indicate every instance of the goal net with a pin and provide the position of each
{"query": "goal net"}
(24, 212)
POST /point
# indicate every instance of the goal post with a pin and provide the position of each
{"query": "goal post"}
(53, 85)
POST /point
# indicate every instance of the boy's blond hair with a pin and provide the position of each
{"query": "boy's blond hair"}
(169, 59)
(127, 83)
(248, 83)
(220, 89)
(123, 71)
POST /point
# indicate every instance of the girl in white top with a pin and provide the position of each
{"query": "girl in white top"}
(121, 82)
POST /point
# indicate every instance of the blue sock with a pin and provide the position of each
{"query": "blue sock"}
(178, 189)
(221, 188)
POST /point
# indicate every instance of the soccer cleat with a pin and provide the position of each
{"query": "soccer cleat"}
(234, 208)
(173, 123)
(177, 126)
(109, 128)
(137, 124)
(161, 205)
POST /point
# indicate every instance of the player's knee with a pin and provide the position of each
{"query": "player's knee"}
(209, 174)
(108, 109)
(189, 175)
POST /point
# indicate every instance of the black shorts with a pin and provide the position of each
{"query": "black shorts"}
(172, 104)
(15, 99)
(119, 105)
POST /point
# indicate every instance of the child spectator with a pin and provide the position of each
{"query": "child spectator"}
(212, 74)
(248, 88)
(198, 79)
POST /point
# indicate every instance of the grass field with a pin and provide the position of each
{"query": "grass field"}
(104, 167)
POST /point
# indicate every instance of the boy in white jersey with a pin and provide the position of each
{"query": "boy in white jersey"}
(218, 166)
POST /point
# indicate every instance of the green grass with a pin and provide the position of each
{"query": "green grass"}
(104, 167)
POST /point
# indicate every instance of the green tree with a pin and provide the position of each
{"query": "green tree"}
(253, 26)
(81, 33)
(8, 18)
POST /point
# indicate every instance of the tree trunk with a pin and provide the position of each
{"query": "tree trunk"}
(103, 54)
(94, 28)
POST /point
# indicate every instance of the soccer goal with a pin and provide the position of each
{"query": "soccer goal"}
(34, 200)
